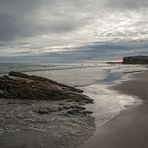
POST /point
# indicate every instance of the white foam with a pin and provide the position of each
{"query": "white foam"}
(108, 103)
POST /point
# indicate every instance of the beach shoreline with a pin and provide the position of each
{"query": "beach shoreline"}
(96, 90)
(130, 128)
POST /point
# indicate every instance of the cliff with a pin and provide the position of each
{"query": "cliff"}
(135, 60)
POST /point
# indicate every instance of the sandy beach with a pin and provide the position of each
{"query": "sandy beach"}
(73, 73)
(129, 129)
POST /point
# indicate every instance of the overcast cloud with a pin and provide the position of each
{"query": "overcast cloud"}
(42, 26)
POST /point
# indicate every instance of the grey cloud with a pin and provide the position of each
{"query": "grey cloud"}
(47, 23)
(12, 16)
(29, 18)
(26, 18)
(127, 4)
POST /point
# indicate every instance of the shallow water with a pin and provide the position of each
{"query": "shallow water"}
(94, 79)
(107, 103)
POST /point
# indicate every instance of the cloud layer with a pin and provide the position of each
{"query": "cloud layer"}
(42, 26)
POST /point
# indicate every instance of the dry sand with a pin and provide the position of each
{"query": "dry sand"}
(129, 129)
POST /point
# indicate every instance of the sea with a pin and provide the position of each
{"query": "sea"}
(93, 78)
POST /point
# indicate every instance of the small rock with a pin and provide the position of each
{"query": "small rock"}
(20, 116)
(1, 92)
(87, 112)
(47, 110)
(74, 111)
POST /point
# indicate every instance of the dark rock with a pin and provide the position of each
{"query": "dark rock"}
(37, 78)
(41, 111)
(21, 112)
(77, 97)
(87, 112)
(47, 110)
(73, 106)
(21, 86)
(135, 60)
(18, 74)
(20, 116)
(74, 111)
(113, 62)
(78, 110)
(1, 92)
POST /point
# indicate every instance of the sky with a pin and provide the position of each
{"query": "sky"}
(72, 30)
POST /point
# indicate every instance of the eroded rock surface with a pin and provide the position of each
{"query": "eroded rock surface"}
(31, 104)
(22, 86)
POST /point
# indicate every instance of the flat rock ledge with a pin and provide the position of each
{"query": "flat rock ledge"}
(32, 104)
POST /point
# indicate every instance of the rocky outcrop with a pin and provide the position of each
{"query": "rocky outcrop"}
(22, 86)
(135, 60)
(35, 104)
(37, 78)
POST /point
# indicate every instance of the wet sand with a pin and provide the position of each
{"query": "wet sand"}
(130, 128)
